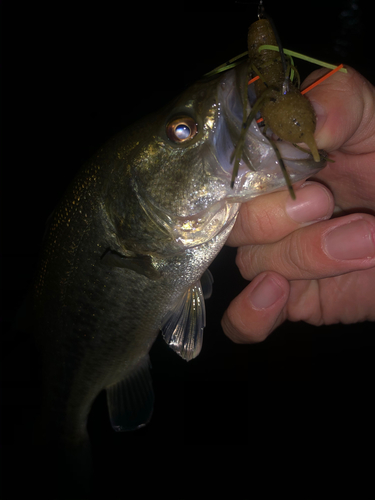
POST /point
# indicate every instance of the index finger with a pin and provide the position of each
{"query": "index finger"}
(269, 218)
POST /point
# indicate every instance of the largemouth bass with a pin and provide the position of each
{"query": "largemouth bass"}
(127, 246)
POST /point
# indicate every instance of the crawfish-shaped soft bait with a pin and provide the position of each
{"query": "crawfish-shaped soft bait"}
(283, 108)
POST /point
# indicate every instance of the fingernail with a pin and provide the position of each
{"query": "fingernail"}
(321, 114)
(312, 204)
(265, 294)
(351, 241)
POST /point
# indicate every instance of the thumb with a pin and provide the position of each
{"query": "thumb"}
(345, 109)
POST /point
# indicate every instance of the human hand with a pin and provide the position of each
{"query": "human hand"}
(305, 265)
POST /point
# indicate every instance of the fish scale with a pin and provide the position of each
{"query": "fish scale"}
(126, 248)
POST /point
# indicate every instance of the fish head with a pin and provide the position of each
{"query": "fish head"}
(182, 164)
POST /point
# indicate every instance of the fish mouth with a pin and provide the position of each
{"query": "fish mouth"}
(211, 205)
(259, 169)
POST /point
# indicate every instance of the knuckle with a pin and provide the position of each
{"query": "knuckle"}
(296, 256)
(247, 262)
(261, 222)
(240, 257)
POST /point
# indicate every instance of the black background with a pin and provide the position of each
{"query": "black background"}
(74, 76)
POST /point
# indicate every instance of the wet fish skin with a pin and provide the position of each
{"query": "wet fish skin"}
(94, 320)
(125, 250)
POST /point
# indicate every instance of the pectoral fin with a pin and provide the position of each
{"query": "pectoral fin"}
(183, 325)
(131, 401)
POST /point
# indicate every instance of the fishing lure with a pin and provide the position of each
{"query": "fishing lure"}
(284, 109)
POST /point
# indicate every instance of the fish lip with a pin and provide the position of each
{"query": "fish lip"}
(300, 165)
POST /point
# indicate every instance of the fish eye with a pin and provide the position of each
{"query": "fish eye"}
(181, 129)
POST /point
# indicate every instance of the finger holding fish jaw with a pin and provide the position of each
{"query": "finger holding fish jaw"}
(264, 221)
(293, 256)
(304, 265)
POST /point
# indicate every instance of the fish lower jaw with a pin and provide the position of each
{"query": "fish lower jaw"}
(198, 229)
